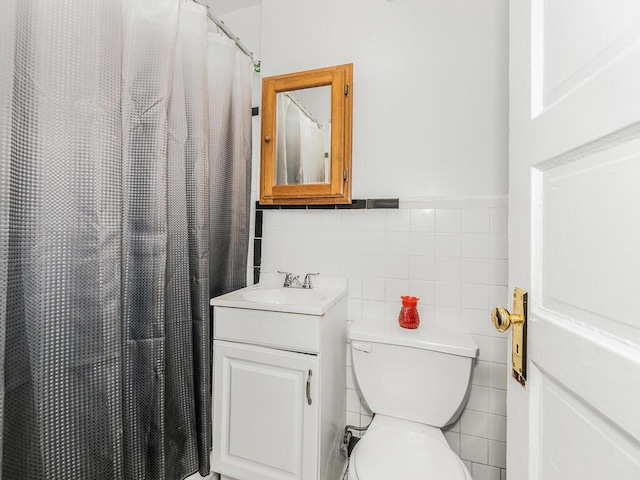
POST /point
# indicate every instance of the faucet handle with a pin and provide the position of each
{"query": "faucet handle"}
(288, 278)
(307, 280)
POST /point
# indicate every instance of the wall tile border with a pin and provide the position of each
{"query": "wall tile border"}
(392, 203)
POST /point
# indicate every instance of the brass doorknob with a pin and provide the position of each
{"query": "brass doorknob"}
(502, 319)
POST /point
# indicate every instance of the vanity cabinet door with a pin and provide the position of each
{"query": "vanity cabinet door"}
(266, 408)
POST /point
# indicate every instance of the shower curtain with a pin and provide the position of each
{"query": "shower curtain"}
(104, 240)
(312, 151)
(299, 147)
(230, 155)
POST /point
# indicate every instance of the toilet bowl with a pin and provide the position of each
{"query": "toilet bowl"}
(415, 382)
(397, 449)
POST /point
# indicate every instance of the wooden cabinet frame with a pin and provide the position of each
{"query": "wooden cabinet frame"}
(338, 190)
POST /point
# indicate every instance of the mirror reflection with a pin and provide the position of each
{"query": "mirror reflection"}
(303, 139)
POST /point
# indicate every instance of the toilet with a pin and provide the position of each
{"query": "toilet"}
(415, 382)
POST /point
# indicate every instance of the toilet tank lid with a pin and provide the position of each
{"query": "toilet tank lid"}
(425, 337)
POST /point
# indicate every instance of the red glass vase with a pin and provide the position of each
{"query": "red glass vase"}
(408, 317)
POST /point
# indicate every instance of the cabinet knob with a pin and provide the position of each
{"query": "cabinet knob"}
(267, 138)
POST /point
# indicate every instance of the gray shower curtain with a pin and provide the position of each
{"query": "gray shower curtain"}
(164, 240)
(104, 240)
(230, 155)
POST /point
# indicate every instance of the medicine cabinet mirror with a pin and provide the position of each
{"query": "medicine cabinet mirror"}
(306, 137)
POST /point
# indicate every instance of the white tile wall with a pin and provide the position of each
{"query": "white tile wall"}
(450, 252)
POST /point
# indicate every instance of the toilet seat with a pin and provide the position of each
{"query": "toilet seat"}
(389, 451)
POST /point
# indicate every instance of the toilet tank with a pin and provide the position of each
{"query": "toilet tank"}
(418, 375)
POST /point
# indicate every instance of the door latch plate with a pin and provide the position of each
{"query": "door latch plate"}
(519, 338)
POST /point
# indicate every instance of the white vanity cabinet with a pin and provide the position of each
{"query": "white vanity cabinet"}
(265, 427)
(279, 402)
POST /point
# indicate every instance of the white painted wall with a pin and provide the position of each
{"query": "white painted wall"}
(430, 87)
(430, 99)
(244, 23)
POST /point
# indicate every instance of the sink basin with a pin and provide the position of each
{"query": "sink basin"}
(284, 296)
(276, 298)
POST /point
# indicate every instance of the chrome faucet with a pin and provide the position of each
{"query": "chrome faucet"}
(292, 280)
(307, 280)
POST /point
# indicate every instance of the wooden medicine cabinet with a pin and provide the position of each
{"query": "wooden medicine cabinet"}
(306, 137)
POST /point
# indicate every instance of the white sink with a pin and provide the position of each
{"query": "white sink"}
(284, 296)
(271, 297)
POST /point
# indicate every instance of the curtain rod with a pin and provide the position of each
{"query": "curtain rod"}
(222, 26)
(304, 110)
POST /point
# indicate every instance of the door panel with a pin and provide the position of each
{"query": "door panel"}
(564, 419)
(577, 68)
(574, 198)
(595, 368)
(587, 204)
(573, 55)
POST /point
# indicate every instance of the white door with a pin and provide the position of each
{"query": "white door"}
(265, 413)
(574, 237)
